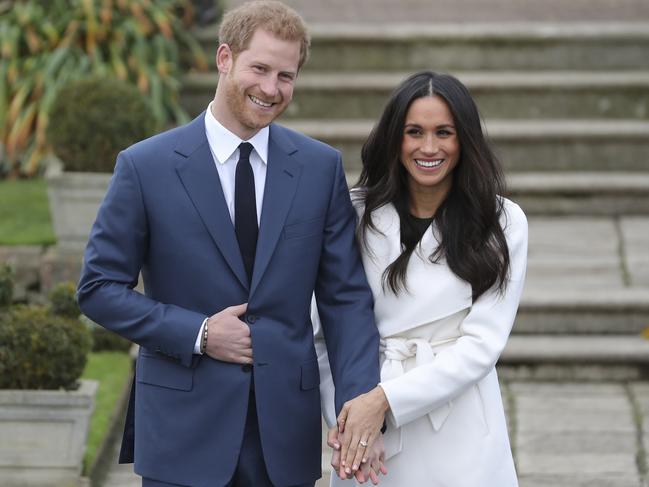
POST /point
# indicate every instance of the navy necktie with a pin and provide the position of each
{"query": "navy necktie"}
(245, 209)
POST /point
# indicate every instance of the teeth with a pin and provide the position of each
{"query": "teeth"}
(257, 101)
(429, 163)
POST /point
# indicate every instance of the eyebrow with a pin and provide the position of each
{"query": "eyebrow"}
(442, 126)
(265, 65)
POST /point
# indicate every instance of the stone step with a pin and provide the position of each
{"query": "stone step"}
(472, 46)
(582, 311)
(511, 94)
(575, 357)
(436, 11)
(574, 193)
(581, 193)
(523, 145)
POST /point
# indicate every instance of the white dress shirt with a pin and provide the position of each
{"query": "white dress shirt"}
(224, 146)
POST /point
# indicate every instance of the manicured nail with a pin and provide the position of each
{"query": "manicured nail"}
(348, 470)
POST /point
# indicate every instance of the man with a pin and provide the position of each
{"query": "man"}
(234, 222)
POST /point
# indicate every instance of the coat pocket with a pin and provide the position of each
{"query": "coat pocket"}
(310, 375)
(162, 372)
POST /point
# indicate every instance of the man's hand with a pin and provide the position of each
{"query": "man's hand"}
(332, 441)
(228, 338)
(361, 420)
(371, 466)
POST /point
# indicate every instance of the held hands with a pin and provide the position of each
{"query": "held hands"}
(228, 338)
(360, 420)
(371, 466)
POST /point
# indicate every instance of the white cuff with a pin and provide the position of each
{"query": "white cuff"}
(197, 344)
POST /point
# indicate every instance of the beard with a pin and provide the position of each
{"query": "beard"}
(238, 105)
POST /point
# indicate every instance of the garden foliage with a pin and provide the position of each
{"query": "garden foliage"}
(47, 43)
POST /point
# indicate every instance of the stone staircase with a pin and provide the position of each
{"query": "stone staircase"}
(565, 99)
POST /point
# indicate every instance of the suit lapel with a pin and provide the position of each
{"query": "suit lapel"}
(282, 177)
(200, 179)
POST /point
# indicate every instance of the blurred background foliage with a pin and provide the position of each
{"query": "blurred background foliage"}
(47, 43)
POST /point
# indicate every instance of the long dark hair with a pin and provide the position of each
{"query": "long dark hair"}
(470, 236)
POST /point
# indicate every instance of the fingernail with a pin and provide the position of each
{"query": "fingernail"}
(354, 467)
(348, 470)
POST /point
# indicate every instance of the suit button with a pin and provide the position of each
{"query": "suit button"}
(251, 319)
(246, 367)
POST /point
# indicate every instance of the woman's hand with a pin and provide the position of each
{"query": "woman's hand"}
(360, 420)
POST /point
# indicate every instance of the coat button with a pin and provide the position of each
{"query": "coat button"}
(251, 319)
(246, 367)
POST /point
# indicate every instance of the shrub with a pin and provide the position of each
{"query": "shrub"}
(39, 350)
(45, 44)
(63, 300)
(95, 119)
(6, 285)
(104, 340)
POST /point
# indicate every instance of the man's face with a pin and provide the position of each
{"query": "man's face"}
(257, 83)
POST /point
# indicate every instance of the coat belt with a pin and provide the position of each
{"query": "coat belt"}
(396, 351)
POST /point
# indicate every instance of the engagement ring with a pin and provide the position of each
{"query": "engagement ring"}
(363, 443)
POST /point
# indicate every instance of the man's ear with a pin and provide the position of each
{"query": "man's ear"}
(224, 58)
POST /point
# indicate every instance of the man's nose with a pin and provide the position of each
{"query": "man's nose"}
(269, 86)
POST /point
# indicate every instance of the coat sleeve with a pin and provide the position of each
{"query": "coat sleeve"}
(114, 256)
(344, 301)
(485, 331)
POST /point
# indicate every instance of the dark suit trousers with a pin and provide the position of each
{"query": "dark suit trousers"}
(251, 469)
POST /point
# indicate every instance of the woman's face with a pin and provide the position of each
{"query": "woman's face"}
(430, 148)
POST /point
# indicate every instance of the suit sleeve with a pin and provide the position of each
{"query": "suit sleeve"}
(327, 389)
(114, 256)
(344, 301)
(485, 331)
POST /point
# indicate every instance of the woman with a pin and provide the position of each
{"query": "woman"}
(445, 255)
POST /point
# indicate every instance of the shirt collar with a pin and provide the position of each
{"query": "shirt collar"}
(224, 143)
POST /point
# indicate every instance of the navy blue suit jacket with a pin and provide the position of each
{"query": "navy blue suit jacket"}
(165, 215)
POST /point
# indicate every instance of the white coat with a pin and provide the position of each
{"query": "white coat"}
(446, 425)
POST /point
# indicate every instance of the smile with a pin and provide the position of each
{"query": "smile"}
(429, 164)
(259, 102)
